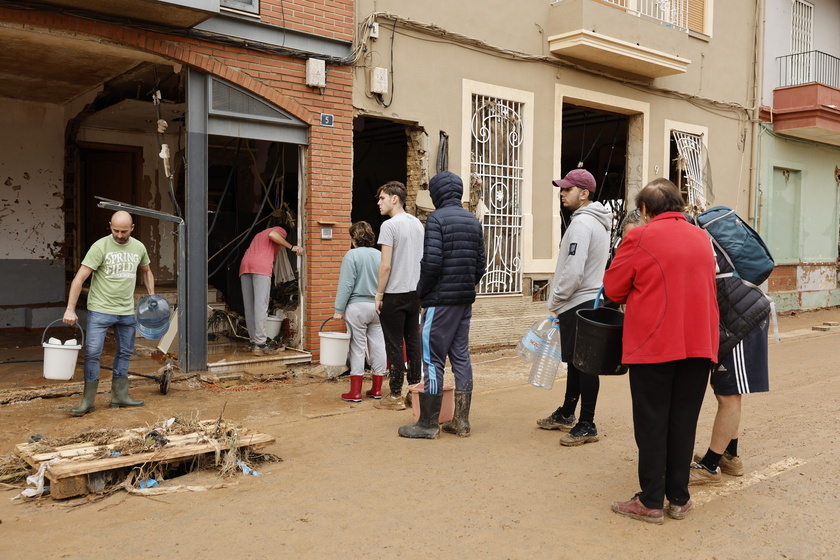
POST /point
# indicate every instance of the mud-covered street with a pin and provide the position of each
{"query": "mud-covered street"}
(349, 487)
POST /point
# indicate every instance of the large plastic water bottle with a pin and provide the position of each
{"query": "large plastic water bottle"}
(152, 316)
(546, 361)
(530, 343)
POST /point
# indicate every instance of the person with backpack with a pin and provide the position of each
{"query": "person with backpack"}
(744, 320)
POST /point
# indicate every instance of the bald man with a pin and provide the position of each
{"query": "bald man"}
(114, 262)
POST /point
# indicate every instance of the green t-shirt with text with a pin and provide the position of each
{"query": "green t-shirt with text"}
(114, 275)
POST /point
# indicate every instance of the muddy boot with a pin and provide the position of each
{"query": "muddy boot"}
(119, 393)
(88, 400)
(427, 425)
(392, 401)
(460, 424)
(355, 394)
(376, 390)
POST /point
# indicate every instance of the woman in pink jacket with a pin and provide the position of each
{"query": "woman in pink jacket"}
(664, 272)
(255, 277)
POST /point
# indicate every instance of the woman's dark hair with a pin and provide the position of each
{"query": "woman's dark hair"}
(362, 234)
(658, 196)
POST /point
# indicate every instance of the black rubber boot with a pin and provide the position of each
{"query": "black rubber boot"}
(119, 393)
(88, 400)
(460, 424)
(427, 425)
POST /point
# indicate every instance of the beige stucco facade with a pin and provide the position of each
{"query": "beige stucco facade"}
(438, 55)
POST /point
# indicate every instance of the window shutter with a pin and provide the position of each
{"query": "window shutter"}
(697, 15)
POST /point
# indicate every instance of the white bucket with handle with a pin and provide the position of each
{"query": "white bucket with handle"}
(335, 346)
(60, 357)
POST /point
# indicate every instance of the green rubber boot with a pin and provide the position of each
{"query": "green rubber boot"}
(119, 393)
(88, 400)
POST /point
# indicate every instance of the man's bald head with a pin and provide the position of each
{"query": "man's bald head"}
(121, 225)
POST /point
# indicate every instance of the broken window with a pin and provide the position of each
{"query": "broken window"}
(689, 169)
(497, 172)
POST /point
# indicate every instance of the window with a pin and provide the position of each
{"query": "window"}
(497, 169)
(801, 41)
(250, 6)
(683, 14)
(688, 168)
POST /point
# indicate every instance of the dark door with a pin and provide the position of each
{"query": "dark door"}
(110, 172)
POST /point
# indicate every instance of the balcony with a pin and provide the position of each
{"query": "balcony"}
(807, 102)
(609, 35)
(171, 13)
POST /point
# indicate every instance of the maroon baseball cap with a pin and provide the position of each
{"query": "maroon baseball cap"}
(576, 178)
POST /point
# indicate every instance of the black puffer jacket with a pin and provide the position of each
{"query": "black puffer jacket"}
(741, 308)
(453, 253)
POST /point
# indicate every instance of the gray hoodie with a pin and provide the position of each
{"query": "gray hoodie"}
(584, 250)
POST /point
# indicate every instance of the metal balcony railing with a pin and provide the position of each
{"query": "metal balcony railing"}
(808, 68)
(673, 13)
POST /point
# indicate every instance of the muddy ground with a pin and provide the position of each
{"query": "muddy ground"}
(348, 487)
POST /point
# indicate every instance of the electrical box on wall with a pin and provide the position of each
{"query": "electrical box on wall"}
(379, 80)
(316, 73)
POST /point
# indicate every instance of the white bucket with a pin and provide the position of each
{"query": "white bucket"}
(60, 359)
(334, 347)
(272, 326)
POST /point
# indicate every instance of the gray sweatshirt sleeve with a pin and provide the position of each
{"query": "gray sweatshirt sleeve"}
(571, 263)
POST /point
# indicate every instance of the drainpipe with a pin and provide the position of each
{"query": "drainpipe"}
(756, 206)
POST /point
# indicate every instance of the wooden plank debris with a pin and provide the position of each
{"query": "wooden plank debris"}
(68, 475)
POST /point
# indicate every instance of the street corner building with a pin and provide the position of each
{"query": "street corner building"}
(206, 115)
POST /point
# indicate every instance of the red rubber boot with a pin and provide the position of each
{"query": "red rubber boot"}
(376, 390)
(355, 394)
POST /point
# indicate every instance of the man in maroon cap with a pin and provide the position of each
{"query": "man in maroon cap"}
(584, 249)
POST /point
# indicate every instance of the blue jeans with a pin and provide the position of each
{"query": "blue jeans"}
(124, 332)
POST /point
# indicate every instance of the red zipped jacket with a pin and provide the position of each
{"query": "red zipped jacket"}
(665, 274)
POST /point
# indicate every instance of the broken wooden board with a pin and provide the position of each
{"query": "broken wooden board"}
(68, 475)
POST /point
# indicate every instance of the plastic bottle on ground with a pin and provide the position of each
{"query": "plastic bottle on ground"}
(547, 361)
(530, 343)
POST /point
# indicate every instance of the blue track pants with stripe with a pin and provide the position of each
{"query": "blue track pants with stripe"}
(445, 332)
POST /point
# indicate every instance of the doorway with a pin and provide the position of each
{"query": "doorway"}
(596, 140)
(380, 150)
(107, 171)
(252, 185)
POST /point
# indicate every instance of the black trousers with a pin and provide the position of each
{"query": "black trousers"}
(578, 384)
(400, 319)
(666, 404)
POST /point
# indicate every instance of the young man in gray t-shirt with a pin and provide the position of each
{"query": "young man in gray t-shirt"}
(397, 303)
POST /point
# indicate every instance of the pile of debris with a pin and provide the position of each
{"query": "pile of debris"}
(138, 459)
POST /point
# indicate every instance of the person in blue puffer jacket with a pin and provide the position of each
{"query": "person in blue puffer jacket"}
(453, 263)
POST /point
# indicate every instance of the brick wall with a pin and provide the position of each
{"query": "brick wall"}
(280, 80)
(328, 18)
(783, 279)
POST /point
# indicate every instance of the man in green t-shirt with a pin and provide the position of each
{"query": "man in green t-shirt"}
(114, 262)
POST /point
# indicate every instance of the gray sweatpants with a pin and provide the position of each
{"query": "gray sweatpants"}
(366, 332)
(256, 289)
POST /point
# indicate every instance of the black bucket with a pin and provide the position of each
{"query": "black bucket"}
(598, 341)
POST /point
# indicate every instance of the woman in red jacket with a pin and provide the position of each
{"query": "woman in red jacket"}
(664, 271)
